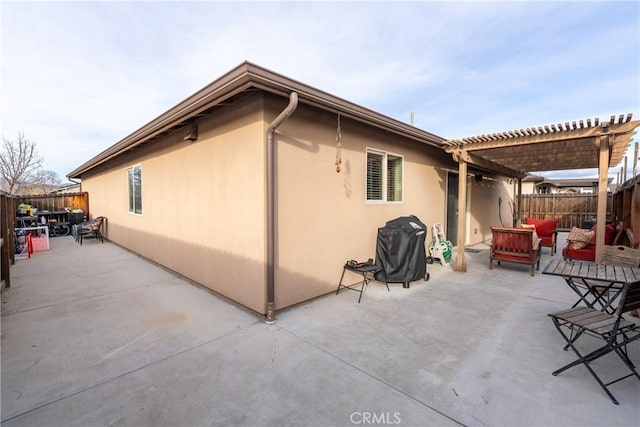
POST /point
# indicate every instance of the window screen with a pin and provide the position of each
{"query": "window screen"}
(394, 178)
(135, 189)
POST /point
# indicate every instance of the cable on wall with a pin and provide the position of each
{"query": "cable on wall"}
(338, 146)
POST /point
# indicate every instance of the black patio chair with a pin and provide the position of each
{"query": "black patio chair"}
(89, 228)
(613, 329)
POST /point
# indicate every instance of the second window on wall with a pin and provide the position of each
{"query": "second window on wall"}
(384, 176)
(135, 189)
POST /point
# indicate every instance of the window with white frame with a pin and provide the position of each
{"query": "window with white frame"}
(384, 176)
(135, 189)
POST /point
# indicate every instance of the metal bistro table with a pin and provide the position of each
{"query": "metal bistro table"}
(595, 284)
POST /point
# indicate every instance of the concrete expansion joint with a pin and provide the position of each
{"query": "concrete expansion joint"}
(74, 300)
(372, 376)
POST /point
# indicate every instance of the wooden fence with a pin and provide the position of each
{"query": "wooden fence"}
(7, 244)
(46, 202)
(626, 211)
(569, 209)
(57, 202)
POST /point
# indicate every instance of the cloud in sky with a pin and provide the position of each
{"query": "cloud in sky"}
(78, 77)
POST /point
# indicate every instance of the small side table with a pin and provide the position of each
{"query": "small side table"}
(364, 270)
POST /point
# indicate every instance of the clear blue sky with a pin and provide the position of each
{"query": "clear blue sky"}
(78, 77)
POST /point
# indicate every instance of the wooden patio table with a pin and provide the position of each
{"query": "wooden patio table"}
(595, 284)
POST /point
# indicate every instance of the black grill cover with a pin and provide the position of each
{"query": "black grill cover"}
(400, 252)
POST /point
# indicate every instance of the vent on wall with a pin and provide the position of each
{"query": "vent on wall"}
(192, 135)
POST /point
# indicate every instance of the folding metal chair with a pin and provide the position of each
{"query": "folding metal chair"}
(612, 328)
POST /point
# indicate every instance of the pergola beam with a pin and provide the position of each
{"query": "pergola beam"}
(511, 139)
(488, 165)
(555, 147)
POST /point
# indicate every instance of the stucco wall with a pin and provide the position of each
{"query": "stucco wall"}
(323, 217)
(203, 203)
(528, 188)
(485, 208)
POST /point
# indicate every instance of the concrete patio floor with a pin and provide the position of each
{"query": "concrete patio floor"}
(95, 335)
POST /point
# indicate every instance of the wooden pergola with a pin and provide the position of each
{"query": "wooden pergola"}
(576, 145)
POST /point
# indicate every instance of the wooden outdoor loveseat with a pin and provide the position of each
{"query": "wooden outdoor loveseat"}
(515, 245)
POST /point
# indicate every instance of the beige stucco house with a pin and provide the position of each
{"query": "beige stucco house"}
(236, 187)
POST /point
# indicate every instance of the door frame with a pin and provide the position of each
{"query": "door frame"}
(453, 238)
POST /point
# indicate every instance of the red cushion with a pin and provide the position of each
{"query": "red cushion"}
(516, 258)
(544, 227)
(609, 232)
(586, 254)
(546, 241)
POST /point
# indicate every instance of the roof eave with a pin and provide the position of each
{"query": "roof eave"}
(281, 85)
(241, 78)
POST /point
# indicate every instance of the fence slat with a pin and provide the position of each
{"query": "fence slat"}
(569, 209)
(57, 202)
(7, 218)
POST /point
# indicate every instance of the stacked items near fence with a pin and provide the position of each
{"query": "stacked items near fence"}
(57, 202)
(39, 205)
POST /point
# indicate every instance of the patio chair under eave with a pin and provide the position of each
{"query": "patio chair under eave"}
(616, 332)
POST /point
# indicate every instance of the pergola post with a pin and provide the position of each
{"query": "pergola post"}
(559, 146)
(603, 170)
(635, 216)
(516, 218)
(461, 260)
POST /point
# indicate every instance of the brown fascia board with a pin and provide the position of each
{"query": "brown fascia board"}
(577, 182)
(279, 84)
(241, 78)
(533, 178)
